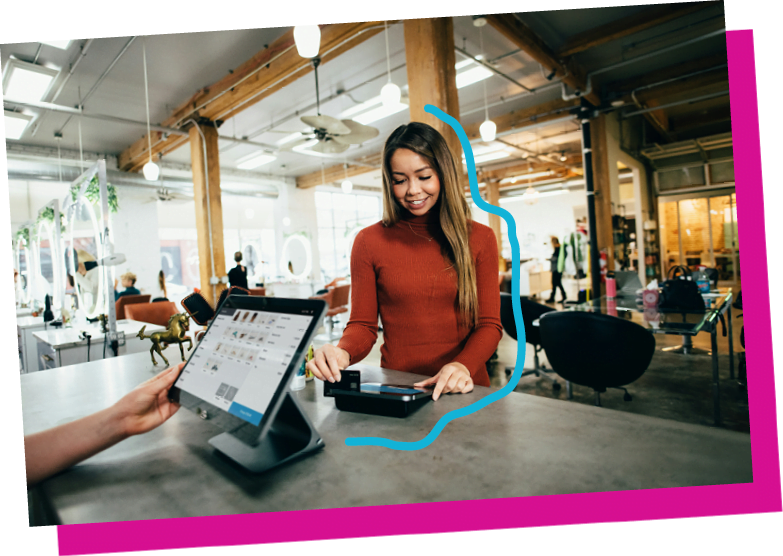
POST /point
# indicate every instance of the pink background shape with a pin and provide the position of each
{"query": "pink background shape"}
(762, 495)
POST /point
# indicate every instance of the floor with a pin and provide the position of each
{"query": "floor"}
(675, 386)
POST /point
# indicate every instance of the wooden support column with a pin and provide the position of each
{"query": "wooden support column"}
(432, 79)
(209, 208)
(602, 188)
(493, 198)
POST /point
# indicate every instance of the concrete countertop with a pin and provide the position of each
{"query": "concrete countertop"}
(521, 445)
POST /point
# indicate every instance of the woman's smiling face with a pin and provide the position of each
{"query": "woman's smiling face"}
(415, 184)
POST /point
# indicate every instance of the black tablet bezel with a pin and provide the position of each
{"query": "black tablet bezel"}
(244, 430)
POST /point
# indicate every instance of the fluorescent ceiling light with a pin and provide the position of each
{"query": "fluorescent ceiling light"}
(27, 82)
(63, 45)
(505, 200)
(471, 76)
(380, 113)
(366, 105)
(523, 177)
(288, 138)
(304, 146)
(497, 155)
(255, 160)
(15, 124)
(464, 63)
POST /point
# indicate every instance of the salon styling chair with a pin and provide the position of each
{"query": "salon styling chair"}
(530, 312)
(153, 313)
(337, 298)
(125, 300)
(595, 350)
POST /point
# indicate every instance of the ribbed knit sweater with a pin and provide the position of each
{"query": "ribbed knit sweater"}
(402, 275)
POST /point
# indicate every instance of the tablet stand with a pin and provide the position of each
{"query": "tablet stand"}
(290, 436)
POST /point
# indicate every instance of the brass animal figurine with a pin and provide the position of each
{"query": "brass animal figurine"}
(177, 327)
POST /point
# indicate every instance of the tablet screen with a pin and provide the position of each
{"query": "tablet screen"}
(240, 362)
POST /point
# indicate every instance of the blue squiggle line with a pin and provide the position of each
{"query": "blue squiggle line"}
(521, 346)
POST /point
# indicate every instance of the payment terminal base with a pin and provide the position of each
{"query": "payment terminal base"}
(290, 436)
(374, 405)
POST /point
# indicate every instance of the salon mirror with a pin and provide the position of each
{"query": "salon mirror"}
(44, 275)
(22, 265)
(297, 259)
(83, 241)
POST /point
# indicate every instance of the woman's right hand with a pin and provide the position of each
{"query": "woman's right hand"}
(328, 361)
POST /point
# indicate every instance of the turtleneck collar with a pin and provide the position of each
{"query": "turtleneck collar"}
(429, 220)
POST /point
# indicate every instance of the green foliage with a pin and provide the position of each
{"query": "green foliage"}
(48, 215)
(23, 234)
(93, 193)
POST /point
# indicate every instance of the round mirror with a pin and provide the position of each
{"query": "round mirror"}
(44, 275)
(297, 259)
(23, 267)
(84, 242)
(251, 258)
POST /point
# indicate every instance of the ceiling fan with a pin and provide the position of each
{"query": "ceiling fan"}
(166, 195)
(333, 135)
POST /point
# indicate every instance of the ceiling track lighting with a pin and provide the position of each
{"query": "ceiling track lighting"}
(488, 129)
(151, 170)
(390, 93)
(308, 40)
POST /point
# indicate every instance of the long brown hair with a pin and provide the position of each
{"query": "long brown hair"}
(455, 221)
(162, 283)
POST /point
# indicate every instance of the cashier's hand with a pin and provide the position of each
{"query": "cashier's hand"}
(148, 406)
(328, 361)
(452, 378)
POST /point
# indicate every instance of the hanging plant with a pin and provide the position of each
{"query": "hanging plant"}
(48, 215)
(93, 193)
(23, 235)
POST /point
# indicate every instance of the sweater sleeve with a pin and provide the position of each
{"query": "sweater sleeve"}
(484, 338)
(361, 332)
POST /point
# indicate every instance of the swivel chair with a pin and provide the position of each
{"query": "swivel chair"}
(530, 312)
(125, 300)
(596, 350)
(154, 313)
(337, 299)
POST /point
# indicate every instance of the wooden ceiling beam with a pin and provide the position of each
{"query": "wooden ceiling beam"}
(689, 85)
(266, 72)
(524, 38)
(338, 172)
(623, 27)
(700, 118)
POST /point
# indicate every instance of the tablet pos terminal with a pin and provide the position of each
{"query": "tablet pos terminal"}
(239, 374)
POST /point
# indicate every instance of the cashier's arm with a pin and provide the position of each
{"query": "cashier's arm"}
(143, 409)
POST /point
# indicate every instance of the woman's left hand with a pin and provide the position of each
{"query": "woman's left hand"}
(452, 378)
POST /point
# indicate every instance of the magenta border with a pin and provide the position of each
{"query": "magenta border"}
(762, 495)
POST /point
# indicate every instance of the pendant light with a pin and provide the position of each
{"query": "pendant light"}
(151, 170)
(390, 93)
(308, 40)
(347, 185)
(488, 128)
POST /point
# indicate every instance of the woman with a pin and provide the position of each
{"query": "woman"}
(557, 270)
(237, 276)
(427, 269)
(161, 294)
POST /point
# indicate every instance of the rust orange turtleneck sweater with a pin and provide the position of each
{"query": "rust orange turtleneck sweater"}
(399, 273)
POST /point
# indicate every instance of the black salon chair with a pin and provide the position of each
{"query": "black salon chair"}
(530, 312)
(596, 350)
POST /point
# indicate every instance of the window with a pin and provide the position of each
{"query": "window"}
(340, 217)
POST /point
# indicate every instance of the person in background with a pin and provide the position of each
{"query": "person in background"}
(557, 270)
(237, 276)
(128, 281)
(161, 294)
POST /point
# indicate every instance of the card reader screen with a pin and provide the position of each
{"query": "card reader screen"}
(240, 362)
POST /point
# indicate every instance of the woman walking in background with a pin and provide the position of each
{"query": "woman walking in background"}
(557, 261)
